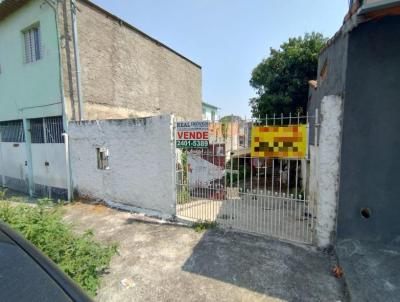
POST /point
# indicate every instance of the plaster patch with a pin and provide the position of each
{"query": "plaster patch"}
(328, 166)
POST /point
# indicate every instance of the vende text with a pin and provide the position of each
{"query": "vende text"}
(193, 134)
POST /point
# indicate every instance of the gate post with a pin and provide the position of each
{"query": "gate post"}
(174, 162)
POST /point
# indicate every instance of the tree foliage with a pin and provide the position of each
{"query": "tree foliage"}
(281, 80)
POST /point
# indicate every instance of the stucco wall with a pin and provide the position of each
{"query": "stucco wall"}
(141, 159)
(371, 141)
(335, 57)
(29, 90)
(126, 74)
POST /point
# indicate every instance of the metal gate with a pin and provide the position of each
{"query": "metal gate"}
(227, 184)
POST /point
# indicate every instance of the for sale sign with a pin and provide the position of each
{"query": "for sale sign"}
(192, 135)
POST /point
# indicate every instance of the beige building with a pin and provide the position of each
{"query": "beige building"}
(124, 72)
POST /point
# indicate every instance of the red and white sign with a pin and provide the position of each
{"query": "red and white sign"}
(199, 135)
(192, 134)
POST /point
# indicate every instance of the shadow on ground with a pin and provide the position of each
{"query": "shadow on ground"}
(167, 262)
(371, 270)
(272, 268)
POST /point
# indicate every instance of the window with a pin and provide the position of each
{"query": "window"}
(33, 49)
(37, 133)
(54, 130)
(12, 132)
(102, 158)
(47, 130)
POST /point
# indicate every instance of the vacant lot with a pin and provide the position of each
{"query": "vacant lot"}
(166, 262)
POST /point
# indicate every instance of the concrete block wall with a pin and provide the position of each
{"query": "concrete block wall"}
(141, 170)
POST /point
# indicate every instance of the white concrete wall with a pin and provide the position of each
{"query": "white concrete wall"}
(141, 160)
(12, 163)
(14, 172)
(328, 168)
(53, 175)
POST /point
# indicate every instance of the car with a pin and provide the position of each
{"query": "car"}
(26, 274)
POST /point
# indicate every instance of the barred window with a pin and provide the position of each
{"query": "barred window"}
(32, 40)
(12, 132)
(54, 129)
(47, 130)
(102, 158)
(37, 131)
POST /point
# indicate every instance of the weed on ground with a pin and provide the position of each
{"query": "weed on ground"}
(79, 256)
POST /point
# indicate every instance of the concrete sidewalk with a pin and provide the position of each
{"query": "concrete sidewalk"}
(174, 263)
(372, 271)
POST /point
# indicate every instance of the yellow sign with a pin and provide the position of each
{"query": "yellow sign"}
(279, 142)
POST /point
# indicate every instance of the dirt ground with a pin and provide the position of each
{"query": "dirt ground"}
(169, 262)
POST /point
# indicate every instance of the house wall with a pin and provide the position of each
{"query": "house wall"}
(29, 90)
(141, 162)
(126, 74)
(13, 172)
(49, 170)
(210, 113)
(371, 140)
(323, 165)
(335, 56)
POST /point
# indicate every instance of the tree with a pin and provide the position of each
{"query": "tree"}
(281, 80)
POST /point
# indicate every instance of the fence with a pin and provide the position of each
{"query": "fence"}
(231, 185)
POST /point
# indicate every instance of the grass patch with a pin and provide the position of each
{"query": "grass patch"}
(3, 194)
(79, 256)
(202, 226)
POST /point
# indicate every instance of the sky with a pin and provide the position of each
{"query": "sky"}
(228, 38)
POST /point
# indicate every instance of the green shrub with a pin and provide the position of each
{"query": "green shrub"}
(202, 226)
(83, 259)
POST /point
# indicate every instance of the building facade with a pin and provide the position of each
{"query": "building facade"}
(71, 60)
(359, 67)
(210, 112)
(124, 72)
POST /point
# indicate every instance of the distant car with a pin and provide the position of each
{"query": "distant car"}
(26, 274)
